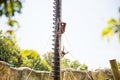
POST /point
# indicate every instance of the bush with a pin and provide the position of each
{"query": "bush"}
(9, 51)
(32, 60)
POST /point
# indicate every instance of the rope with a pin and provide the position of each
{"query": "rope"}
(71, 56)
(32, 70)
(70, 46)
(71, 74)
(45, 47)
(38, 59)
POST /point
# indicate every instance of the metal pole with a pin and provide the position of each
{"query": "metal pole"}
(57, 40)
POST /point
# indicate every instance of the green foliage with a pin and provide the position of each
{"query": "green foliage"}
(75, 64)
(9, 8)
(118, 65)
(43, 66)
(48, 57)
(67, 63)
(113, 28)
(83, 67)
(32, 59)
(9, 51)
(13, 22)
(30, 54)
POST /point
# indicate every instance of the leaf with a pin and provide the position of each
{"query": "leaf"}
(119, 37)
(11, 32)
(13, 22)
(107, 32)
(9, 10)
(112, 21)
(25, 53)
(119, 20)
(1, 12)
(14, 39)
(31, 54)
(17, 6)
(17, 23)
(9, 43)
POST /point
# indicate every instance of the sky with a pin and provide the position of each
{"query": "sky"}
(85, 21)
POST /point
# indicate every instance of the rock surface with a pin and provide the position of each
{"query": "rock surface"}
(24, 73)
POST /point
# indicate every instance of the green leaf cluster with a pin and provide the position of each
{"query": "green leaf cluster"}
(43, 66)
(9, 51)
(12, 23)
(65, 62)
(112, 29)
(48, 57)
(32, 60)
(9, 7)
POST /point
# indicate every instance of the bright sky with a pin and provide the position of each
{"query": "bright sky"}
(85, 21)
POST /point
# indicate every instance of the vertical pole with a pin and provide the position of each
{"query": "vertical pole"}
(57, 40)
(115, 69)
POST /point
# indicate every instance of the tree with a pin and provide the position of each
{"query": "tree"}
(48, 57)
(65, 62)
(9, 8)
(32, 60)
(75, 64)
(9, 51)
(30, 57)
(112, 28)
(83, 67)
(43, 66)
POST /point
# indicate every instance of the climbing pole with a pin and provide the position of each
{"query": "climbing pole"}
(57, 40)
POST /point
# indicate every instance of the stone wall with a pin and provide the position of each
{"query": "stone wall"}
(24, 73)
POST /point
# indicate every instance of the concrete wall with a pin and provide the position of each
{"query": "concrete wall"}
(22, 73)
